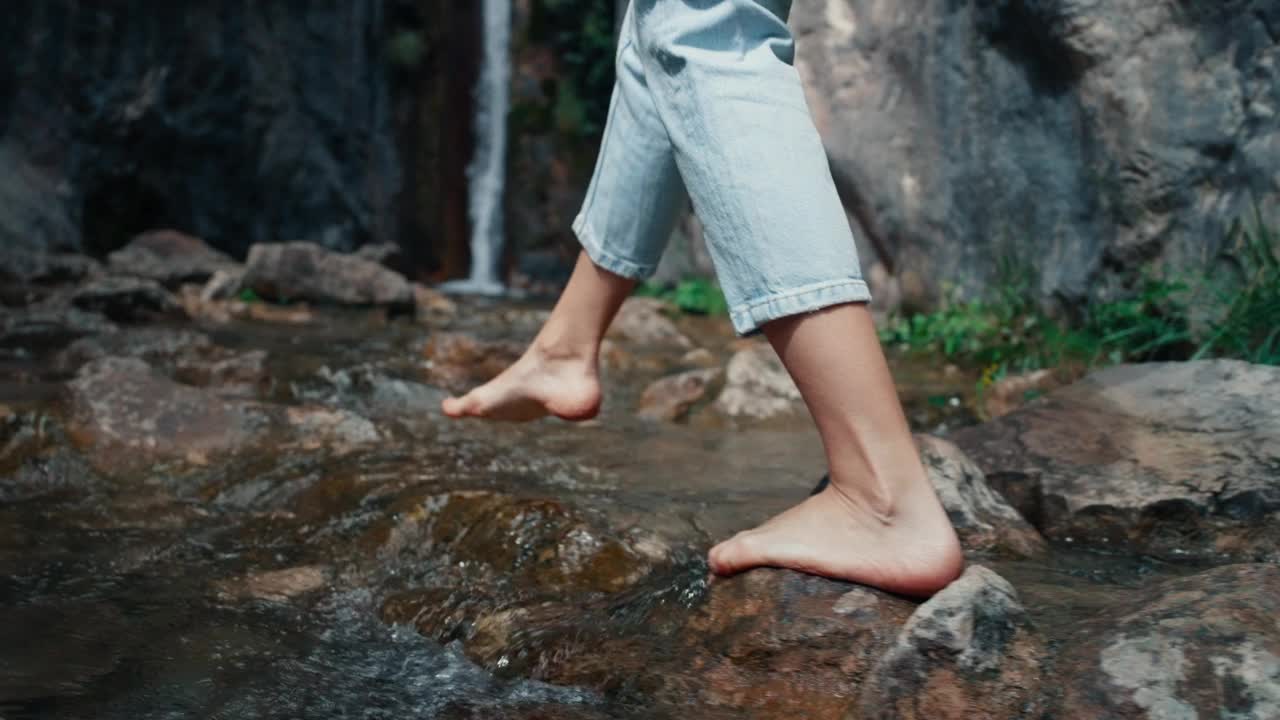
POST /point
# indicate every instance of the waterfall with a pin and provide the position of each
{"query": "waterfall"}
(487, 172)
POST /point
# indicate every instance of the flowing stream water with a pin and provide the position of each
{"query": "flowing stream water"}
(140, 594)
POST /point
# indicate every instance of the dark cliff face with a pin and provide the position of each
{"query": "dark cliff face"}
(1079, 141)
(240, 122)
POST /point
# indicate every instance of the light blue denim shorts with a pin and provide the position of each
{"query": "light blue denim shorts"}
(708, 107)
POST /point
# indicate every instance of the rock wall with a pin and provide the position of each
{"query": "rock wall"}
(238, 122)
(1074, 140)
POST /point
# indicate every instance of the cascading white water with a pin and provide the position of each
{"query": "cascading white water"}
(487, 172)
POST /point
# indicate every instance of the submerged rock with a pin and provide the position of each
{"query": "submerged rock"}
(170, 258)
(126, 417)
(1203, 646)
(457, 361)
(1166, 458)
(670, 398)
(757, 385)
(969, 651)
(304, 271)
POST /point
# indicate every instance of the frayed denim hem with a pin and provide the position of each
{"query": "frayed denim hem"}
(605, 259)
(748, 317)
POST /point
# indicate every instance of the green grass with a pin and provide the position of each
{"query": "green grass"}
(695, 295)
(1161, 319)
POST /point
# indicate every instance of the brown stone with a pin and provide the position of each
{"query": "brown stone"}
(1012, 392)
(276, 585)
(757, 386)
(127, 416)
(670, 398)
(305, 271)
(126, 299)
(643, 321)
(457, 361)
(432, 306)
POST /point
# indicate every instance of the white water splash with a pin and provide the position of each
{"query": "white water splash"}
(487, 172)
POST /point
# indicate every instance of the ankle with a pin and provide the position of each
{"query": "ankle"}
(884, 491)
(560, 347)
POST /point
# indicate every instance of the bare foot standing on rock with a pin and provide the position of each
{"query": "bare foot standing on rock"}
(696, 111)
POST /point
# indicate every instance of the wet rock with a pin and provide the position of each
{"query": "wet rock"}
(126, 417)
(375, 395)
(276, 585)
(643, 321)
(229, 372)
(757, 385)
(432, 306)
(535, 544)
(983, 519)
(49, 326)
(28, 267)
(332, 429)
(671, 398)
(1166, 458)
(126, 299)
(170, 258)
(386, 254)
(156, 345)
(1203, 646)
(1010, 393)
(969, 651)
(457, 361)
(765, 644)
(303, 271)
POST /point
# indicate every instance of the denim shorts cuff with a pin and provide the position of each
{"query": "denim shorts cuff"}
(605, 259)
(748, 317)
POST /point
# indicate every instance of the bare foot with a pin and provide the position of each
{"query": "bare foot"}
(914, 552)
(540, 383)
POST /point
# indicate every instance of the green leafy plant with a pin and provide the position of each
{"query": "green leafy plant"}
(1005, 332)
(693, 295)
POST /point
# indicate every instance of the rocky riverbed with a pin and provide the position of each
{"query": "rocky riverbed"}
(212, 505)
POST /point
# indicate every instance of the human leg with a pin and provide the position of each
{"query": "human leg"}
(721, 77)
(879, 521)
(630, 209)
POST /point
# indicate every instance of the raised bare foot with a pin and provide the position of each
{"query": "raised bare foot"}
(542, 382)
(913, 552)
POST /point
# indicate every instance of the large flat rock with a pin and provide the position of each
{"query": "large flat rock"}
(1167, 458)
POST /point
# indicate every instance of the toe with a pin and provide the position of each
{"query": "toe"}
(460, 407)
(734, 555)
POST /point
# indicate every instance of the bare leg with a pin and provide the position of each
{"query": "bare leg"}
(558, 375)
(879, 522)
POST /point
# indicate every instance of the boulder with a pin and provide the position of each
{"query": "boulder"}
(1203, 646)
(969, 651)
(1172, 459)
(1078, 140)
(670, 398)
(304, 271)
(757, 386)
(170, 258)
